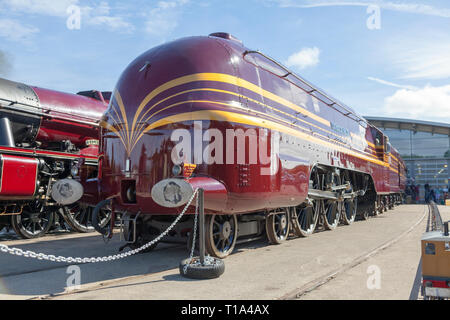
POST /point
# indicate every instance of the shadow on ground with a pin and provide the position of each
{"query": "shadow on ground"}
(20, 276)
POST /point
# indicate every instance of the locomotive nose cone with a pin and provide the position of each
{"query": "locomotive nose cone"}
(226, 230)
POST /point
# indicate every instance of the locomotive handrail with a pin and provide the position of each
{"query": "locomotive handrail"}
(45, 153)
(314, 88)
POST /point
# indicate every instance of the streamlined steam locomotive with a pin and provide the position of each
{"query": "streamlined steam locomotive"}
(44, 135)
(273, 153)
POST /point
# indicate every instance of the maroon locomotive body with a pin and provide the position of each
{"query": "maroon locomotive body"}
(270, 149)
(44, 134)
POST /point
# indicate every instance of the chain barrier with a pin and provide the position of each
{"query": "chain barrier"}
(194, 235)
(42, 256)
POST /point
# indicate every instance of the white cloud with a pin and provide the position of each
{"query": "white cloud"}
(163, 19)
(6, 64)
(428, 61)
(428, 103)
(112, 23)
(416, 8)
(44, 7)
(100, 15)
(95, 14)
(14, 31)
(392, 84)
(307, 57)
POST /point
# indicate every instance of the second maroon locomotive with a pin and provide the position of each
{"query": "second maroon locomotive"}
(46, 136)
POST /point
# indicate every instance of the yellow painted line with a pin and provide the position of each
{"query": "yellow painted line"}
(228, 105)
(233, 106)
(216, 115)
(139, 132)
(113, 130)
(120, 126)
(141, 125)
(124, 115)
(220, 77)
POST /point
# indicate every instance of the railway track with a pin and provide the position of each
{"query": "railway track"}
(320, 281)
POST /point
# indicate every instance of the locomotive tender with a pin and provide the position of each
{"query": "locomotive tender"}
(44, 134)
(196, 99)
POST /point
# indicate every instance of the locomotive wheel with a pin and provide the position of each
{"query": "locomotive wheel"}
(278, 225)
(79, 217)
(367, 211)
(331, 214)
(101, 216)
(304, 219)
(221, 233)
(377, 209)
(34, 222)
(391, 202)
(349, 208)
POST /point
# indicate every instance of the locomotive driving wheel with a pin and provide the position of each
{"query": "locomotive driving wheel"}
(278, 225)
(377, 209)
(221, 233)
(331, 211)
(34, 222)
(349, 209)
(305, 218)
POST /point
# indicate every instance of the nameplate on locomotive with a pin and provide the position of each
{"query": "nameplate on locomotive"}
(172, 193)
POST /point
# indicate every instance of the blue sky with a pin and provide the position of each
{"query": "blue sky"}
(399, 69)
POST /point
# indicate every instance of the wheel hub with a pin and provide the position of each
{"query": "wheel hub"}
(226, 230)
(35, 218)
(283, 222)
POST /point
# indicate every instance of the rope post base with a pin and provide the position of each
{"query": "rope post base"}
(212, 268)
(201, 267)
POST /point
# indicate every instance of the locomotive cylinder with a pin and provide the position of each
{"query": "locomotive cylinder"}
(18, 177)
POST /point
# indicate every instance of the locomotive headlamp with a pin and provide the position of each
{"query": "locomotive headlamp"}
(177, 170)
(74, 170)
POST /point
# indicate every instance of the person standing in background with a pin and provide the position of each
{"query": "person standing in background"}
(427, 193)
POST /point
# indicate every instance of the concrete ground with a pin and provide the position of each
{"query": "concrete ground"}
(334, 265)
(399, 269)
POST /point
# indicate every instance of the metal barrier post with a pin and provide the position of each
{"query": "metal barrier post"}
(201, 198)
(201, 267)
